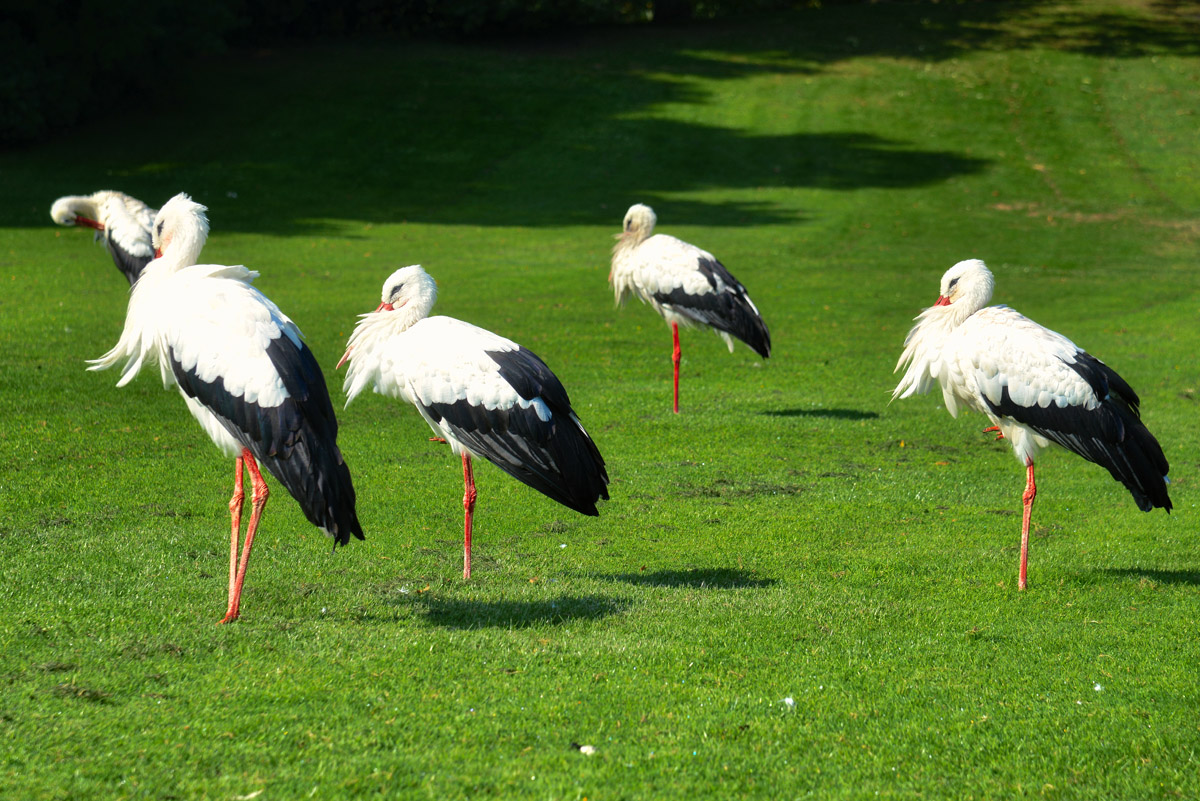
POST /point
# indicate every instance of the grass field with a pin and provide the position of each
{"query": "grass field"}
(796, 590)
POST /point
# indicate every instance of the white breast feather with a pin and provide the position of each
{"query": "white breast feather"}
(214, 321)
(661, 264)
(437, 360)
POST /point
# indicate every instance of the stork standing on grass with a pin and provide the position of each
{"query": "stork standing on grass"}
(125, 222)
(487, 396)
(245, 374)
(1035, 385)
(684, 284)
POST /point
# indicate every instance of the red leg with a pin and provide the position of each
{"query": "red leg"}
(999, 434)
(235, 517)
(1027, 499)
(675, 355)
(258, 501)
(469, 510)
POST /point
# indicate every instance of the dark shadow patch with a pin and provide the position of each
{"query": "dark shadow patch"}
(1191, 577)
(146, 649)
(458, 614)
(717, 578)
(724, 488)
(73, 690)
(836, 414)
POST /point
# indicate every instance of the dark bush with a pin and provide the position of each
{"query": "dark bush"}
(63, 60)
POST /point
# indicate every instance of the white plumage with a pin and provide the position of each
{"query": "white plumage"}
(246, 376)
(1035, 385)
(686, 285)
(485, 395)
(125, 222)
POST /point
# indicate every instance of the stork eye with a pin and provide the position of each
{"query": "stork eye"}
(160, 228)
(952, 283)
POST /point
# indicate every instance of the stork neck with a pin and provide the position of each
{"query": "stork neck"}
(183, 250)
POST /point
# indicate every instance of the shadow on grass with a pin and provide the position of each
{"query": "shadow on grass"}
(293, 141)
(719, 578)
(566, 131)
(1159, 576)
(460, 614)
(836, 414)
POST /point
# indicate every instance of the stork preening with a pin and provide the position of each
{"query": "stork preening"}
(684, 284)
(1035, 385)
(487, 396)
(245, 374)
(125, 222)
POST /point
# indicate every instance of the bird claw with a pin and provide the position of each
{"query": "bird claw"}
(999, 436)
(438, 439)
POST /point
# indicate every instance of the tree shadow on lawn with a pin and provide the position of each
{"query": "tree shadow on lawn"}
(942, 31)
(719, 578)
(1158, 576)
(295, 141)
(291, 140)
(463, 614)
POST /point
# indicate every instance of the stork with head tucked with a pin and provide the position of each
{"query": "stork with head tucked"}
(487, 396)
(684, 284)
(125, 222)
(246, 375)
(1035, 385)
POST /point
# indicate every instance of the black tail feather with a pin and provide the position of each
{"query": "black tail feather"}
(1112, 434)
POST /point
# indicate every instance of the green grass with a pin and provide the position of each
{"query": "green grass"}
(790, 535)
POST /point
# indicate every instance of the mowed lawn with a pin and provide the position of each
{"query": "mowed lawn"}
(796, 590)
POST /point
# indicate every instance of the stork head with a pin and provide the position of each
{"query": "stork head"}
(968, 285)
(180, 230)
(77, 210)
(639, 221)
(408, 296)
(407, 285)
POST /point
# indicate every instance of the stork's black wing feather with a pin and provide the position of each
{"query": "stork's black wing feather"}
(726, 308)
(296, 440)
(1111, 434)
(554, 456)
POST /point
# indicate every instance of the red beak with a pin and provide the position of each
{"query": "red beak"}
(89, 223)
(942, 301)
(158, 253)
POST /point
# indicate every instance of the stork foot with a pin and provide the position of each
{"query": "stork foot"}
(999, 436)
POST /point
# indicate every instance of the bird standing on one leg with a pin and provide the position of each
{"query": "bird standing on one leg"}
(125, 222)
(485, 395)
(684, 284)
(1035, 385)
(246, 375)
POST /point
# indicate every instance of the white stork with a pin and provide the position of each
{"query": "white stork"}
(685, 285)
(245, 374)
(487, 396)
(125, 221)
(1035, 385)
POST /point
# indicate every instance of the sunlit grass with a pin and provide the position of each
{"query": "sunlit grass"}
(797, 589)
